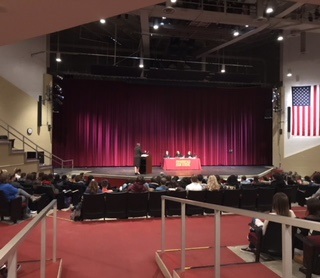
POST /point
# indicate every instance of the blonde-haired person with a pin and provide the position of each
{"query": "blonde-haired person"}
(93, 188)
(213, 184)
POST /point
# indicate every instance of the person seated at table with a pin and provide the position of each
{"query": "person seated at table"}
(166, 154)
(190, 155)
(178, 154)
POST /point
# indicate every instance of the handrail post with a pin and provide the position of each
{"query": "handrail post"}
(183, 237)
(286, 251)
(54, 255)
(43, 247)
(217, 267)
(12, 265)
(163, 225)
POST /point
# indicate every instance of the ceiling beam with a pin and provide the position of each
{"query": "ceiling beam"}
(145, 33)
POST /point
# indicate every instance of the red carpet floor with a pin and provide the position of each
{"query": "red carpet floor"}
(127, 248)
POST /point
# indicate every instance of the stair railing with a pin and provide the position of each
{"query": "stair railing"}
(11, 132)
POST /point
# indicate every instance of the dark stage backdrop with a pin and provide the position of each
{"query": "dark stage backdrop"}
(100, 122)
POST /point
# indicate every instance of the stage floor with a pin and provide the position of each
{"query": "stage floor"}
(128, 172)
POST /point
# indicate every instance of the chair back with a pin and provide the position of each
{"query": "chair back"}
(231, 198)
(248, 199)
(213, 197)
(137, 204)
(116, 205)
(13, 208)
(199, 196)
(174, 208)
(265, 197)
(93, 206)
(154, 209)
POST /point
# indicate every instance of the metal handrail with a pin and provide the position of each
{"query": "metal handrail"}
(287, 224)
(9, 252)
(27, 142)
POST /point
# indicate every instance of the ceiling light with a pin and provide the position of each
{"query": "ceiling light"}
(280, 38)
(269, 10)
(246, 26)
(289, 73)
(173, 1)
(58, 57)
(156, 26)
(164, 17)
(223, 68)
(236, 33)
(141, 65)
(161, 23)
(102, 21)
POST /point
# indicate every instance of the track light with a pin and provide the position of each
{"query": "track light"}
(102, 21)
(155, 25)
(280, 38)
(173, 1)
(269, 10)
(141, 65)
(58, 57)
(223, 68)
(236, 33)
(289, 73)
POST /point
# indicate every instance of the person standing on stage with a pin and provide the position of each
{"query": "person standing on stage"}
(137, 158)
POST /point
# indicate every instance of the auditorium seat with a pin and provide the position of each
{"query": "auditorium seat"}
(137, 204)
(93, 206)
(116, 205)
(231, 198)
(12, 209)
(199, 196)
(248, 199)
(304, 192)
(154, 209)
(265, 197)
(213, 197)
(174, 208)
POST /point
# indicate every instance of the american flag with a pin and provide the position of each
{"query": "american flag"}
(305, 111)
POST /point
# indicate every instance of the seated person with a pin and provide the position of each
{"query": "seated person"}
(312, 214)
(280, 206)
(212, 183)
(190, 155)
(139, 185)
(195, 184)
(12, 192)
(178, 154)
(93, 188)
(163, 185)
(166, 155)
(106, 187)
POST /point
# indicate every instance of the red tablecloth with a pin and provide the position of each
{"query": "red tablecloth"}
(173, 164)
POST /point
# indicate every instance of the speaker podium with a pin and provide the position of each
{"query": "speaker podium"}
(146, 165)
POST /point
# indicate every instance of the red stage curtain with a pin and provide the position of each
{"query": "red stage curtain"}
(100, 122)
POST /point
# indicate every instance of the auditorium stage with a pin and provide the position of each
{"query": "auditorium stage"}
(128, 172)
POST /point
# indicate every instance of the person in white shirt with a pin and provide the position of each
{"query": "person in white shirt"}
(194, 185)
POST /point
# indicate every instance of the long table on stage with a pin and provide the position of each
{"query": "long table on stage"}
(174, 164)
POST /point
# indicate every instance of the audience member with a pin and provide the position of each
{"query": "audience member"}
(194, 185)
(106, 187)
(139, 185)
(93, 188)
(280, 206)
(163, 185)
(212, 183)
